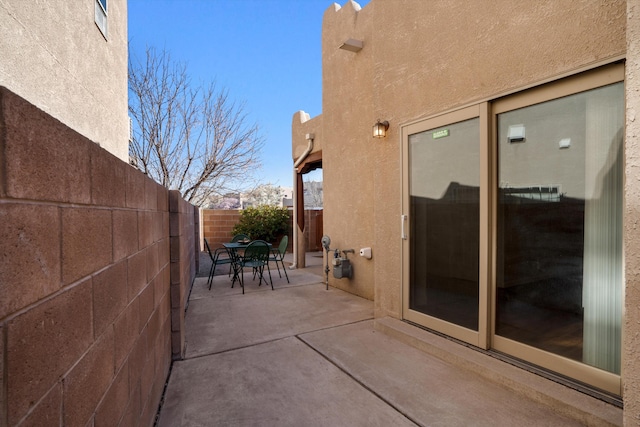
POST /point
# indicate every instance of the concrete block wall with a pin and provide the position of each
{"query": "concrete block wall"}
(183, 266)
(218, 225)
(197, 236)
(85, 302)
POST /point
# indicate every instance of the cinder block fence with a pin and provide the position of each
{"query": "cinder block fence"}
(217, 226)
(96, 261)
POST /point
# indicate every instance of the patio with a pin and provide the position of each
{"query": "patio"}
(302, 355)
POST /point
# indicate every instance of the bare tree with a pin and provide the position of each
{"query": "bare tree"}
(312, 193)
(264, 194)
(192, 139)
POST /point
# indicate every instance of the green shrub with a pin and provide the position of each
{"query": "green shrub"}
(263, 222)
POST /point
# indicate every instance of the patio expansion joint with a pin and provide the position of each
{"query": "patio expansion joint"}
(240, 295)
(214, 353)
(348, 374)
(297, 335)
(276, 288)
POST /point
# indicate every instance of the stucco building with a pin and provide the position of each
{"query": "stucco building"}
(501, 207)
(70, 60)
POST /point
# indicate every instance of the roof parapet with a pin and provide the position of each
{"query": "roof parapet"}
(356, 6)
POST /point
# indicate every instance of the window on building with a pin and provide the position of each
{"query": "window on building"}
(101, 16)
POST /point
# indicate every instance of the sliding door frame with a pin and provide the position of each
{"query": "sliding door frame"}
(576, 370)
(487, 112)
(477, 338)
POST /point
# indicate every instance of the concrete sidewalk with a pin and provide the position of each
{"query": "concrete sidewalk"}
(305, 356)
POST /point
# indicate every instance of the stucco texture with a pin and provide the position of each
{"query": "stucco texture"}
(54, 56)
(421, 59)
(631, 333)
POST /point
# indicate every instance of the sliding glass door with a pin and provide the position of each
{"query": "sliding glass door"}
(444, 205)
(512, 219)
(559, 228)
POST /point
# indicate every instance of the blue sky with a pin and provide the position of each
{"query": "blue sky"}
(267, 53)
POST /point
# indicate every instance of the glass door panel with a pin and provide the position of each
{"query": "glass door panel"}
(444, 210)
(559, 226)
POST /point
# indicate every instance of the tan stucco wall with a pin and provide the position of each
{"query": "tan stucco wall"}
(419, 59)
(347, 165)
(54, 55)
(429, 60)
(631, 332)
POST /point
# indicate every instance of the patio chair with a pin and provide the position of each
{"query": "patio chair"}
(239, 237)
(277, 255)
(256, 256)
(218, 257)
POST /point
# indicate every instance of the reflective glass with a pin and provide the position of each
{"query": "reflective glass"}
(559, 236)
(444, 166)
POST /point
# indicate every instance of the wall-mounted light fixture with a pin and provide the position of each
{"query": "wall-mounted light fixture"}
(352, 45)
(380, 129)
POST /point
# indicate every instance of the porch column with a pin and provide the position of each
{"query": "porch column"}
(298, 223)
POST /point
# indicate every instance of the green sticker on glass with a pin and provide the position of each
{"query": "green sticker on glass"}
(440, 133)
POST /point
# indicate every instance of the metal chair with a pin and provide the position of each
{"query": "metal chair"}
(239, 237)
(218, 257)
(256, 256)
(277, 255)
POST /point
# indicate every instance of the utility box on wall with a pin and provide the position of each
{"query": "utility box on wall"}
(342, 268)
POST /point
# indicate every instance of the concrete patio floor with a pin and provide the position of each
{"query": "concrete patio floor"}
(302, 355)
